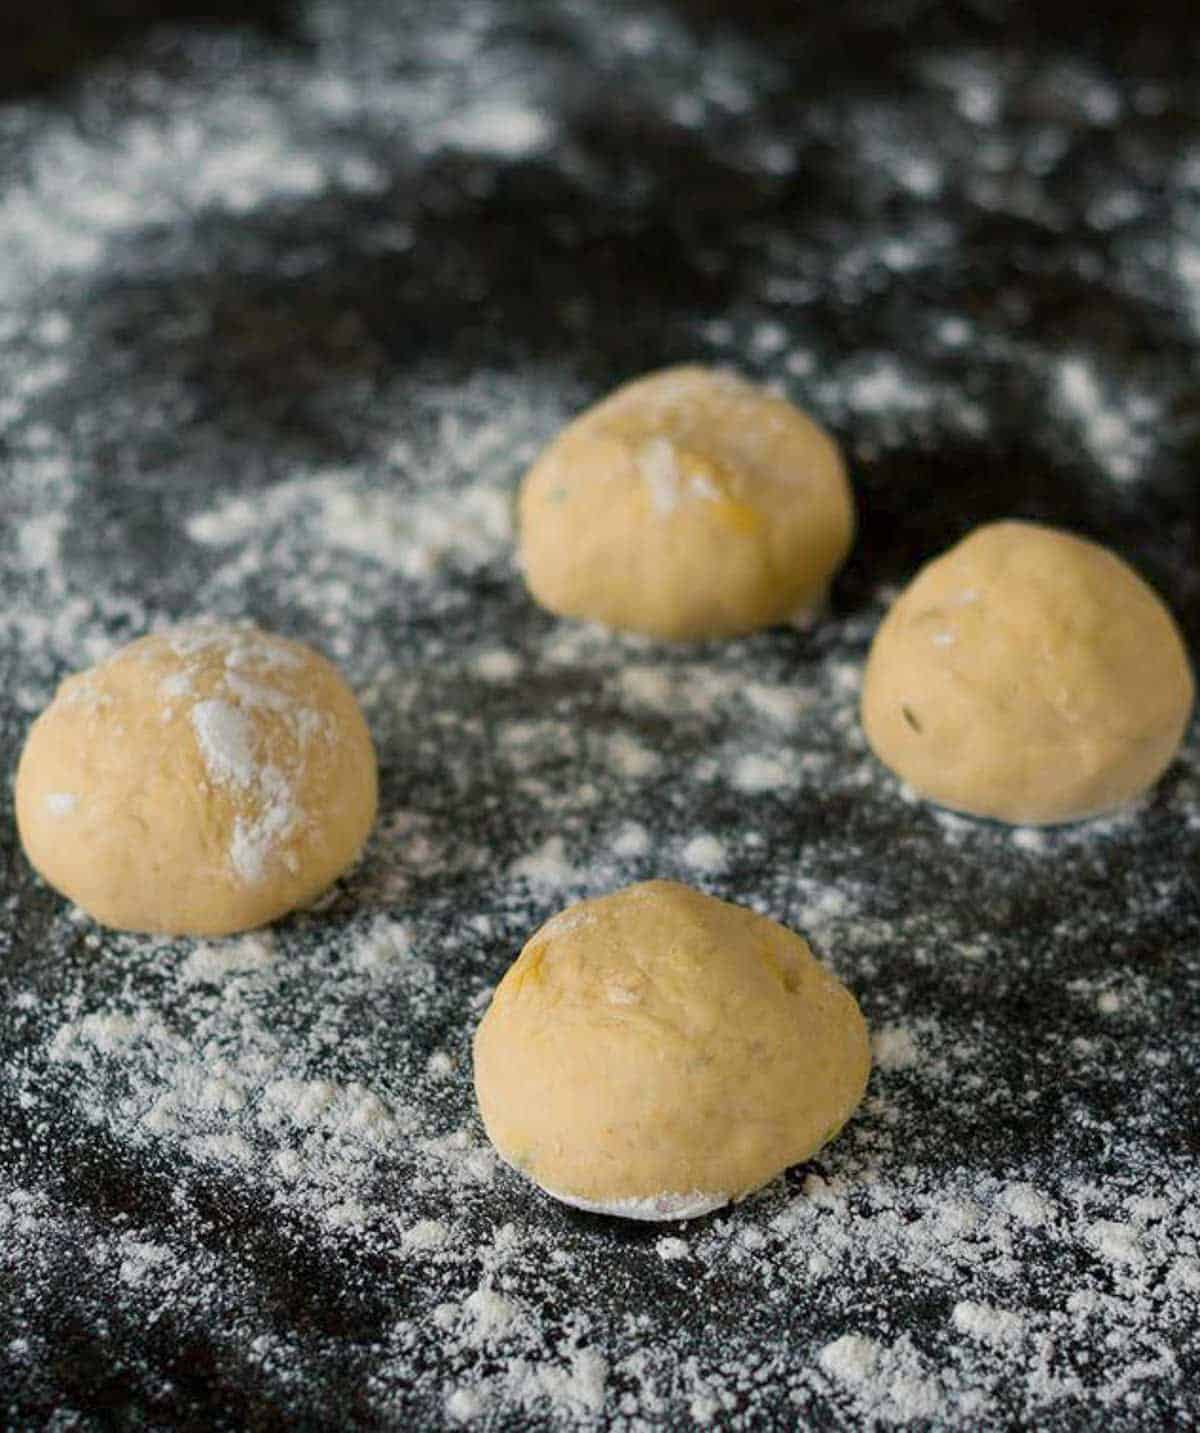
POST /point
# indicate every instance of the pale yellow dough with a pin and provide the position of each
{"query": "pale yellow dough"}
(656, 1053)
(1029, 676)
(201, 781)
(687, 504)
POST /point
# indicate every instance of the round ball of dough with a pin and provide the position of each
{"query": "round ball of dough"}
(688, 504)
(1027, 675)
(656, 1053)
(200, 781)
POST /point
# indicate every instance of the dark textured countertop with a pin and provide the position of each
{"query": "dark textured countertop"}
(288, 298)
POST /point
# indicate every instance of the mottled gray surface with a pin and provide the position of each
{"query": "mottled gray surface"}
(283, 313)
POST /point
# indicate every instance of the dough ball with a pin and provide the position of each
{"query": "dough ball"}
(1029, 676)
(688, 504)
(656, 1053)
(201, 781)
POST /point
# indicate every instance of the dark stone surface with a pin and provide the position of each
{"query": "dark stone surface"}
(223, 343)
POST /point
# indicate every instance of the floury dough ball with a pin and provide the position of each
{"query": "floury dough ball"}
(686, 505)
(201, 781)
(1027, 675)
(656, 1053)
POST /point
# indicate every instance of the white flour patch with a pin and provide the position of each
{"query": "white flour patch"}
(891, 402)
(215, 963)
(1187, 275)
(220, 151)
(784, 705)
(497, 666)
(894, 1048)
(705, 853)
(430, 499)
(469, 528)
(271, 1140)
(631, 841)
(756, 774)
(39, 539)
(238, 760)
(547, 866)
(659, 469)
(647, 686)
(1117, 429)
(630, 759)
(226, 740)
(990, 1325)
(510, 131)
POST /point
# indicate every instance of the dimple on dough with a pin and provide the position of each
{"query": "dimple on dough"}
(656, 1052)
(201, 781)
(1027, 675)
(688, 504)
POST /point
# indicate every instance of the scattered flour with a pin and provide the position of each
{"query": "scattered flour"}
(705, 853)
(507, 130)
(894, 1048)
(547, 866)
(470, 527)
(850, 1359)
(1187, 274)
(756, 774)
(990, 1325)
(1118, 430)
(214, 963)
(266, 1149)
(630, 759)
(497, 666)
(631, 841)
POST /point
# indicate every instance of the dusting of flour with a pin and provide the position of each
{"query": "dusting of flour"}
(249, 366)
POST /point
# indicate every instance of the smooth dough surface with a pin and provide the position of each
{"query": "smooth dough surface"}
(687, 504)
(656, 1052)
(1027, 675)
(200, 781)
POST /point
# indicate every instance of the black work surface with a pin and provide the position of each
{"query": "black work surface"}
(288, 298)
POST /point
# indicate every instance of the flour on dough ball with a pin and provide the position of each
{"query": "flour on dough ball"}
(201, 781)
(688, 504)
(1027, 675)
(656, 1053)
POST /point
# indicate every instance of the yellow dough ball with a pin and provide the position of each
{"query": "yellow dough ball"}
(687, 504)
(656, 1053)
(200, 781)
(1027, 675)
